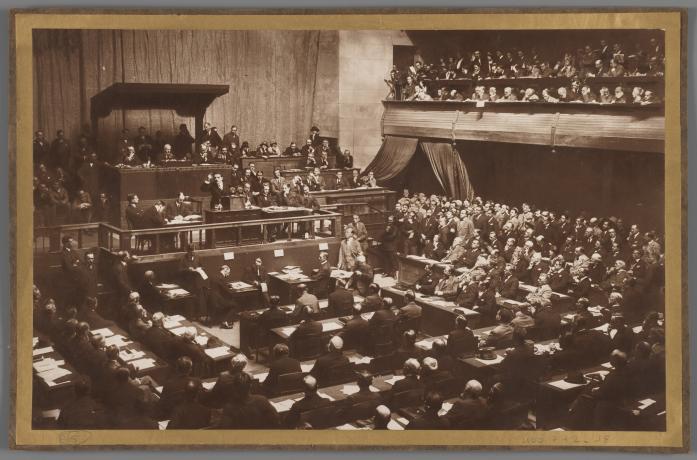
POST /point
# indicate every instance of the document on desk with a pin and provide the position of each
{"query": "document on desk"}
(306, 367)
(285, 405)
(238, 285)
(143, 364)
(325, 395)
(208, 385)
(564, 385)
(360, 359)
(426, 344)
(202, 272)
(42, 351)
(167, 286)
(217, 352)
(118, 340)
(175, 318)
(201, 340)
(644, 403)
(178, 330)
(130, 355)
(105, 332)
(445, 408)
(287, 331)
(53, 374)
(331, 326)
(394, 379)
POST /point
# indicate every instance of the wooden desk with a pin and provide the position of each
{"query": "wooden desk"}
(229, 235)
(156, 183)
(330, 326)
(438, 316)
(268, 165)
(285, 286)
(53, 393)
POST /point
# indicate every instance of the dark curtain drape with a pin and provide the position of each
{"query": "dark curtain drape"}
(449, 169)
(393, 157)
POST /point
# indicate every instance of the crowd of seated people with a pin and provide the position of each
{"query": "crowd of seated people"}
(67, 178)
(577, 68)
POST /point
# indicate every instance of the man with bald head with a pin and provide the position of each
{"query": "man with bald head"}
(469, 410)
(310, 401)
(328, 362)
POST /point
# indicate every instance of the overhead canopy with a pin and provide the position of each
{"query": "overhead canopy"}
(186, 99)
(612, 127)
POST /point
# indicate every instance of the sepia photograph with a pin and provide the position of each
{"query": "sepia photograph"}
(246, 226)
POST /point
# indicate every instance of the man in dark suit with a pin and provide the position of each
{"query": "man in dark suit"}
(83, 412)
(427, 283)
(215, 186)
(315, 138)
(430, 420)
(179, 207)
(408, 348)
(153, 217)
(189, 414)
(411, 381)
(192, 280)
(334, 358)
(321, 276)
(373, 301)
(232, 138)
(89, 314)
(151, 297)
(41, 147)
(173, 390)
(432, 376)
(281, 365)
(389, 245)
(362, 275)
(224, 387)
(272, 317)
(338, 182)
(310, 401)
(340, 301)
(265, 198)
(133, 212)
(158, 339)
(186, 345)
(70, 259)
(143, 144)
(119, 270)
(86, 280)
(257, 276)
(221, 305)
(246, 410)
(209, 134)
(469, 410)
(356, 331)
(304, 300)
(509, 286)
(410, 311)
(461, 340)
(308, 326)
(366, 397)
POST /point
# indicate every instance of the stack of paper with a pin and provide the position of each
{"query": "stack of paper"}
(42, 351)
(51, 414)
(201, 340)
(285, 405)
(143, 363)
(564, 385)
(331, 326)
(352, 388)
(208, 385)
(179, 330)
(104, 332)
(644, 403)
(163, 424)
(46, 364)
(394, 379)
(177, 292)
(349, 426)
(306, 367)
(130, 355)
(392, 425)
(261, 376)
(217, 351)
(325, 395)
(51, 375)
(288, 330)
(426, 344)
(445, 408)
(118, 340)
(360, 360)
(240, 285)
(167, 286)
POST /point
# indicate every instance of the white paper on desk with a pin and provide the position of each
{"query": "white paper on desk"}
(143, 364)
(104, 332)
(159, 389)
(175, 318)
(288, 330)
(607, 365)
(368, 315)
(240, 285)
(360, 360)
(285, 405)
(261, 376)
(163, 424)
(178, 330)
(128, 355)
(169, 324)
(264, 287)
(167, 286)
(498, 359)
(178, 292)
(52, 414)
(426, 344)
(644, 403)
(392, 425)
(42, 351)
(602, 328)
(349, 427)
(201, 340)
(637, 329)
(331, 326)
(564, 385)
(600, 374)
(208, 385)
(45, 365)
(54, 374)
(202, 272)
(445, 408)
(325, 395)
(217, 352)
(273, 273)
(306, 367)
(394, 379)
(352, 388)
(117, 340)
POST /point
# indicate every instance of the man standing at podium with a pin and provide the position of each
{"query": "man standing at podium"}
(214, 185)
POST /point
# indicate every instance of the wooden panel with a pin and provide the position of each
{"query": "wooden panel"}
(629, 128)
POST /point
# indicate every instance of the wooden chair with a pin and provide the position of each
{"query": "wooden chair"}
(289, 383)
(340, 374)
(407, 398)
(324, 417)
(382, 339)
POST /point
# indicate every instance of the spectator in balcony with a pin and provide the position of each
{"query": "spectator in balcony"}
(563, 94)
(587, 94)
(479, 94)
(455, 96)
(82, 207)
(420, 94)
(535, 71)
(617, 53)
(311, 161)
(655, 67)
(409, 88)
(546, 71)
(130, 159)
(649, 98)
(292, 150)
(605, 96)
(575, 93)
(509, 94)
(637, 95)
(620, 97)
(307, 148)
(530, 95)
(616, 69)
(493, 97)
(600, 69)
(546, 97)
(274, 149)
